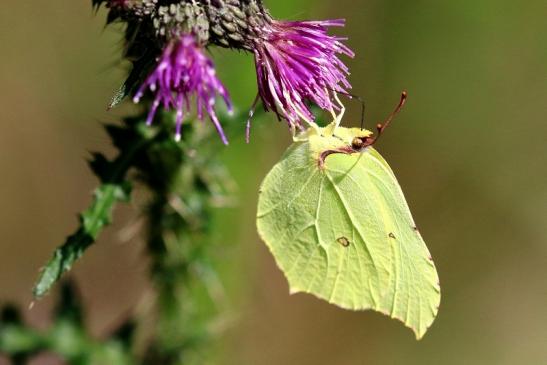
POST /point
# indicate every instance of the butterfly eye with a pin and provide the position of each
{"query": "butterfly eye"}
(357, 143)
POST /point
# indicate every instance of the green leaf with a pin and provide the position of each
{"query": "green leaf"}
(141, 68)
(92, 221)
(339, 227)
(119, 96)
(131, 140)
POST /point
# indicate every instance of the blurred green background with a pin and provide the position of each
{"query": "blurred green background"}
(469, 150)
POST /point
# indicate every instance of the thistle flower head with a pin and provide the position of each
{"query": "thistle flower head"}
(298, 62)
(184, 74)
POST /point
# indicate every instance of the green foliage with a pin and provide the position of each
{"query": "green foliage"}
(92, 221)
(338, 225)
(140, 69)
(67, 337)
(113, 189)
(185, 181)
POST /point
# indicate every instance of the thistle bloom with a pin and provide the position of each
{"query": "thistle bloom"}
(298, 62)
(183, 73)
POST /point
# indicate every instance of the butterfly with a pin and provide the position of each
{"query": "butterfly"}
(337, 223)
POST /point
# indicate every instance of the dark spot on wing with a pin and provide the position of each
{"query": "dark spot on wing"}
(391, 235)
(343, 241)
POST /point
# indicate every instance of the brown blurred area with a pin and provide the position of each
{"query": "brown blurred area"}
(57, 71)
(469, 151)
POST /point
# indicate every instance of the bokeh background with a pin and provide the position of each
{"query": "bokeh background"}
(469, 150)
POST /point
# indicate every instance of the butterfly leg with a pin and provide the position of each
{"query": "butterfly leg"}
(296, 136)
(338, 118)
(306, 119)
(312, 125)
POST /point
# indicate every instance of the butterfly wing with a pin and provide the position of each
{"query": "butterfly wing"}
(345, 234)
(413, 294)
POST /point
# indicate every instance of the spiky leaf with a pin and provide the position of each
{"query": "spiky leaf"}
(92, 221)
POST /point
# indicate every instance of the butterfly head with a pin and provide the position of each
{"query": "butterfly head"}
(332, 139)
(359, 143)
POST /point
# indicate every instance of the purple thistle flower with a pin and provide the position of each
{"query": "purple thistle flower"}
(184, 72)
(298, 62)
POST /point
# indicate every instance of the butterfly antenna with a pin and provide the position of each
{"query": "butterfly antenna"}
(381, 127)
(360, 99)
